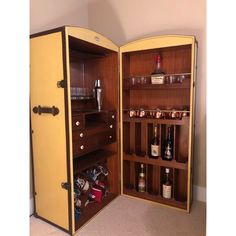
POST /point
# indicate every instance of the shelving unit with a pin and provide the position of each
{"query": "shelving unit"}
(138, 60)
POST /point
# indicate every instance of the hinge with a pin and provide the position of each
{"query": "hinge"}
(62, 84)
(65, 185)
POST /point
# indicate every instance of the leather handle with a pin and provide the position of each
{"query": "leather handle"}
(49, 110)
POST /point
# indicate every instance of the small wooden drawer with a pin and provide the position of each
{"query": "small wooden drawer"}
(77, 122)
(84, 143)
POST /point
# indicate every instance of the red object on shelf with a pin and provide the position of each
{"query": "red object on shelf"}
(97, 193)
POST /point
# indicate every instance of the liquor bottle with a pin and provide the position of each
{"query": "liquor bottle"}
(157, 77)
(168, 150)
(155, 145)
(167, 185)
(141, 180)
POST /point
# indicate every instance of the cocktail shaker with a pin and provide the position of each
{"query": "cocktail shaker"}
(98, 94)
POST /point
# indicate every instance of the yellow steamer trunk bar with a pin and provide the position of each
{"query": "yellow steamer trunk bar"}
(146, 44)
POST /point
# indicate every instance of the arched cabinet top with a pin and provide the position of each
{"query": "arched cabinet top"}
(157, 42)
(91, 37)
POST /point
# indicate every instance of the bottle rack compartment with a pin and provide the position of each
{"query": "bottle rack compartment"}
(137, 138)
(80, 165)
(154, 177)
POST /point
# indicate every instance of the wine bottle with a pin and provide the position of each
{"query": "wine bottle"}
(167, 185)
(157, 77)
(155, 145)
(168, 150)
(141, 180)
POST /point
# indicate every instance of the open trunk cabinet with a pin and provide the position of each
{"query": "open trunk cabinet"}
(72, 140)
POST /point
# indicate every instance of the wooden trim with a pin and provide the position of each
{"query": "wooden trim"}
(121, 122)
(32, 163)
(67, 131)
(42, 33)
(191, 126)
(69, 117)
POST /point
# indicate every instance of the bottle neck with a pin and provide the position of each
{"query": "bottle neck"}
(155, 132)
(167, 177)
(158, 63)
(169, 134)
(98, 83)
(142, 170)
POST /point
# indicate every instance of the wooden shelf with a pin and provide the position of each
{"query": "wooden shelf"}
(92, 209)
(184, 85)
(156, 162)
(83, 162)
(81, 98)
(183, 121)
(88, 112)
(156, 198)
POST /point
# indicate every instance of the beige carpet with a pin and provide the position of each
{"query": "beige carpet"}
(127, 216)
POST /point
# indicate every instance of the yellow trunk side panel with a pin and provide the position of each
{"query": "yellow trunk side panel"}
(49, 137)
(157, 42)
(91, 37)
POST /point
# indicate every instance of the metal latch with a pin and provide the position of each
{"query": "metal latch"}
(65, 185)
(61, 84)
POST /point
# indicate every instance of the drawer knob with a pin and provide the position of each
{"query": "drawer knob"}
(77, 123)
(81, 135)
(113, 116)
(111, 126)
(110, 137)
(82, 147)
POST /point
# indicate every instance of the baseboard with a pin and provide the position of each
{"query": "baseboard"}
(199, 193)
(31, 206)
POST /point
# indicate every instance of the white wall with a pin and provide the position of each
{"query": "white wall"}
(123, 21)
(49, 14)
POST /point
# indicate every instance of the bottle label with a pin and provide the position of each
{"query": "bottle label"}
(155, 150)
(168, 152)
(166, 191)
(157, 79)
(141, 185)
